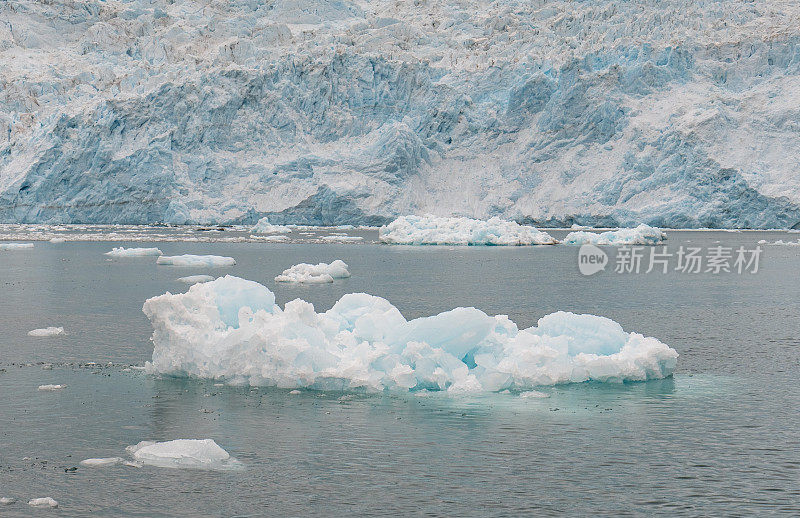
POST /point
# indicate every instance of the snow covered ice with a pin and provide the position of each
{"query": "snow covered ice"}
(432, 230)
(315, 273)
(43, 502)
(231, 329)
(265, 227)
(133, 252)
(641, 235)
(194, 279)
(15, 246)
(47, 331)
(184, 453)
(196, 261)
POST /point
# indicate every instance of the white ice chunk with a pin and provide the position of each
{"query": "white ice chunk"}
(47, 331)
(183, 453)
(533, 394)
(57, 240)
(196, 260)
(315, 273)
(42, 502)
(133, 252)
(231, 329)
(432, 230)
(265, 227)
(15, 246)
(641, 235)
(7, 500)
(102, 462)
(49, 388)
(194, 279)
(341, 239)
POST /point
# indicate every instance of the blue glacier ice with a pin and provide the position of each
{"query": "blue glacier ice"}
(672, 113)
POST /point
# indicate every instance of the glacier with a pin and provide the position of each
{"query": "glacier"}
(672, 113)
(231, 329)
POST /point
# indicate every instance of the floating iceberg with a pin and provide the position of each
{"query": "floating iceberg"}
(47, 331)
(184, 453)
(265, 227)
(641, 235)
(57, 240)
(432, 230)
(15, 246)
(99, 463)
(196, 260)
(231, 329)
(133, 252)
(315, 273)
(50, 388)
(194, 279)
(779, 242)
(42, 502)
(341, 239)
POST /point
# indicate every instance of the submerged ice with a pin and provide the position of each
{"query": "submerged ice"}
(432, 230)
(231, 329)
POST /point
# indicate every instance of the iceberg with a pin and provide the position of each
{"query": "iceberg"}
(315, 273)
(133, 252)
(641, 235)
(432, 230)
(47, 331)
(210, 261)
(43, 502)
(15, 246)
(194, 279)
(51, 388)
(184, 453)
(102, 462)
(265, 227)
(230, 329)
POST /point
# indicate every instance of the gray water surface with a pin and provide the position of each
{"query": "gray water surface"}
(719, 438)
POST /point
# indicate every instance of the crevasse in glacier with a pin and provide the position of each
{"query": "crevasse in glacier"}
(672, 113)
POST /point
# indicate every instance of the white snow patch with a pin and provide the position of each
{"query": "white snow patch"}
(194, 279)
(183, 453)
(50, 388)
(133, 252)
(315, 273)
(232, 329)
(42, 502)
(196, 260)
(15, 246)
(47, 331)
(641, 235)
(432, 230)
(265, 227)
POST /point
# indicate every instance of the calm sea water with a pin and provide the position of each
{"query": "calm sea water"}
(719, 438)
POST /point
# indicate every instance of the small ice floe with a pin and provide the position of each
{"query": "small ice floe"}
(271, 239)
(341, 239)
(780, 242)
(50, 388)
(209, 261)
(315, 273)
(57, 240)
(265, 227)
(101, 462)
(47, 331)
(294, 392)
(433, 230)
(7, 500)
(42, 502)
(184, 453)
(194, 279)
(15, 246)
(641, 235)
(533, 394)
(133, 252)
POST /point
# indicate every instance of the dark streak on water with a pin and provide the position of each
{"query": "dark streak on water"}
(721, 437)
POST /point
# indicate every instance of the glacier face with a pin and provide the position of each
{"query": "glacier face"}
(673, 113)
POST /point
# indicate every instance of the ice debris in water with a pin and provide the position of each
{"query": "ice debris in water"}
(232, 329)
(265, 227)
(47, 331)
(7, 500)
(641, 235)
(42, 502)
(57, 240)
(15, 246)
(194, 279)
(315, 273)
(183, 453)
(196, 260)
(533, 394)
(48, 388)
(102, 462)
(432, 230)
(133, 252)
